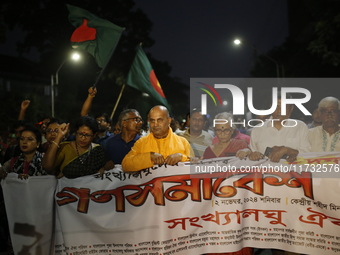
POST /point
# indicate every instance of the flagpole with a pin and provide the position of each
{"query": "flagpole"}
(115, 107)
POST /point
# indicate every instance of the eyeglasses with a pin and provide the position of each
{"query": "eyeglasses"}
(136, 119)
(50, 130)
(83, 135)
(332, 112)
(29, 139)
(227, 131)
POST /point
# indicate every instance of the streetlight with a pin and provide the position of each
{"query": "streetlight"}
(75, 57)
(238, 42)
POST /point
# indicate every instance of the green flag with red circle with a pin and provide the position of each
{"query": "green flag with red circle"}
(142, 77)
(97, 36)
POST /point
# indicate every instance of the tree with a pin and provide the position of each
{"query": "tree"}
(325, 42)
(312, 49)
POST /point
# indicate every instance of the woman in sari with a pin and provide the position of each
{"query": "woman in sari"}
(28, 163)
(225, 147)
(77, 158)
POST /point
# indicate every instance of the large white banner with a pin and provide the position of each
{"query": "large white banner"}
(185, 210)
(30, 212)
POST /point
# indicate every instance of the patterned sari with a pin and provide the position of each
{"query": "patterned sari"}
(72, 166)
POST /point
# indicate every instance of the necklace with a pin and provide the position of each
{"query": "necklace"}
(83, 157)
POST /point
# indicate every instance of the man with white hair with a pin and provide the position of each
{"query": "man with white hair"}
(326, 137)
(117, 146)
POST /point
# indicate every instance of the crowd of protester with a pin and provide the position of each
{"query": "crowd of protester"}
(94, 144)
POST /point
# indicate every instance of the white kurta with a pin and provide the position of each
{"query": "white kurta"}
(268, 136)
(320, 140)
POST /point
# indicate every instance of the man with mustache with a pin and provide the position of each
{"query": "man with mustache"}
(117, 146)
(196, 136)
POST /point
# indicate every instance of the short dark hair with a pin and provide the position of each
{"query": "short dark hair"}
(87, 121)
(197, 110)
(55, 120)
(105, 115)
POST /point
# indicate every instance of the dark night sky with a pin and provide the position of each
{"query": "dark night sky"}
(196, 36)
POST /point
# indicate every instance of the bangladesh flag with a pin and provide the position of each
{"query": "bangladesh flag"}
(142, 77)
(97, 36)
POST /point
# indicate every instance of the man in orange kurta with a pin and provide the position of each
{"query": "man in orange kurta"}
(159, 147)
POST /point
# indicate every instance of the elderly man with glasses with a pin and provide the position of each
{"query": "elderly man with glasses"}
(118, 146)
(326, 137)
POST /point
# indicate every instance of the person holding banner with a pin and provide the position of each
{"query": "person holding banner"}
(118, 146)
(159, 147)
(226, 145)
(326, 137)
(278, 137)
(28, 163)
(77, 158)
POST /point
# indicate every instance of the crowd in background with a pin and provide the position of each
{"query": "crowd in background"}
(96, 144)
